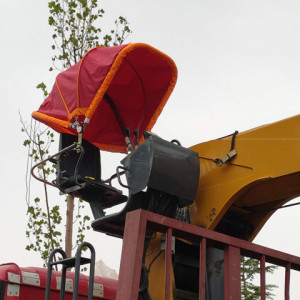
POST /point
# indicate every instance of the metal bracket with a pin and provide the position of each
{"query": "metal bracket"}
(68, 284)
(163, 243)
(31, 278)
(98, 290)
(13, 290)
(12, 277)
(229, 156)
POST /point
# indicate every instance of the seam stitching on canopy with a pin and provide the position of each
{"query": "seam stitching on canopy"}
(61, 96)
(78, 74)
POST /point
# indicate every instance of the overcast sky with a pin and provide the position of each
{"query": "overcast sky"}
(238, 64)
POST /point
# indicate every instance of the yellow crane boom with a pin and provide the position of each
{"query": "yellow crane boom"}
(238, 197)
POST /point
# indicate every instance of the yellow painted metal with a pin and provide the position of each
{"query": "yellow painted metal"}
(239, 197)
(157, 274)
(263, 176)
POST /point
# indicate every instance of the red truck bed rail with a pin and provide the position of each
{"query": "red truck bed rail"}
(133, 244)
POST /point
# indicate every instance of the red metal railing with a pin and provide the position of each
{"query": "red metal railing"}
(134, 235)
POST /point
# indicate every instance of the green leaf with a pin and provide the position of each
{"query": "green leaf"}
(75, 31)
(26, 142)
(83, 3)
(51, 21)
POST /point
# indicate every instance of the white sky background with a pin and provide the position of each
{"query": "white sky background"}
(239, 68)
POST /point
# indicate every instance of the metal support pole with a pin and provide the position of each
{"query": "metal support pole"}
(232, 273)
(49, 274)
(78, 263)
(168, 264)
(131, 258)
(202, 269)
(287, 282)
(263, 277)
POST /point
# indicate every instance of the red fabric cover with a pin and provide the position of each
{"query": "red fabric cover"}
(137, 77)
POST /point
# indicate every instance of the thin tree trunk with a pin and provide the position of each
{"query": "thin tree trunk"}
(69, 225)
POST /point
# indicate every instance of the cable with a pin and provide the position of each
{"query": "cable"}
(154, 259)
(233, 140)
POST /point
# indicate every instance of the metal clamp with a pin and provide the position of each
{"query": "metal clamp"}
(220, 161)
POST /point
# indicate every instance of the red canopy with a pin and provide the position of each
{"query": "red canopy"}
(112, 88)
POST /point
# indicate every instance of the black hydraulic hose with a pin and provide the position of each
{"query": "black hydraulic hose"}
(112, 105)
(125, 130)
(136, 135)
(128, 134)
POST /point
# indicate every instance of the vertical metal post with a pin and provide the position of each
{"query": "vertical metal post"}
(287, 282)
(51, 262)
(263, 277)
(132, 254)
(202, 269)
(232, 273)
(77, 270)
(168, 264)
(63, 283)
(69, 225)
(48, 282)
